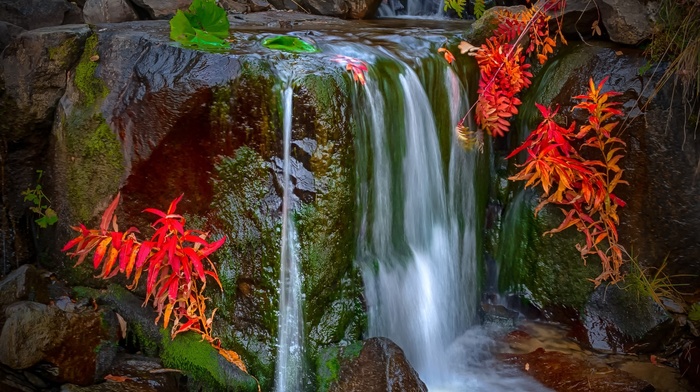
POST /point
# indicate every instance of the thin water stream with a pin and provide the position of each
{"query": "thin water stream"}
(290, 351)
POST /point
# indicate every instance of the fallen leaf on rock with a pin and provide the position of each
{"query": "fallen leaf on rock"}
(122, 325)
(527, 367)
(110, 377)
(94, 58)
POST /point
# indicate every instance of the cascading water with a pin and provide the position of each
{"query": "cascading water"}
(420, 283)
(410, 8)
(290, 350)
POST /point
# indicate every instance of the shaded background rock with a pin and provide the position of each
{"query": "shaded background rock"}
(108, 11)
(32, 14)
(162, 9)
(24, 283)
(8, 32)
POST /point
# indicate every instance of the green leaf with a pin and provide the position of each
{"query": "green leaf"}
(204, 26)
(289, 43)
(205, 15)
(479, 8)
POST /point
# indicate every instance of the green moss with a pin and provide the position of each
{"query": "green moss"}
(549, 267)
(65, 51)
(81, 292)
(249, 267)
(329, 361)
(91, 88)
(202, 364)
(94, 162)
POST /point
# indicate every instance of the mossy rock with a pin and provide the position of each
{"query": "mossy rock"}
(329, 361)
(548, 266)
(205, 368)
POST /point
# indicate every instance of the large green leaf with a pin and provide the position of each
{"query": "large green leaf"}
(289, 43)
(204, 26)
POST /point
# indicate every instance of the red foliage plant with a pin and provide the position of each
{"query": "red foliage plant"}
(176, 262)
(584, 188)
(502, 63)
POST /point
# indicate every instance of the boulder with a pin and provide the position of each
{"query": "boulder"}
(162, 9)
(81, 344)
(31, 330)
(33, 14)
(24, 283)
(108, 11)
(620, 320)
(374, 365)
(626, 21)
(74, 14)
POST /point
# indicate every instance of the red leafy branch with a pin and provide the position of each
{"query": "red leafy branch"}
(175, 260)
(583, 188)
(502, 63)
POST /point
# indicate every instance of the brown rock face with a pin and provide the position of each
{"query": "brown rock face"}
(381, 367)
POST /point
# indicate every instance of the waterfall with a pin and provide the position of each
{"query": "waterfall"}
(420, 256)
(410, 8)
(290, 349)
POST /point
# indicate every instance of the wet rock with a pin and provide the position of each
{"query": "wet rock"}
(108, 11)
(80, 344)
(618, 320)
(162, 9)
(376, 364)
(689, 363)
(236, 7)
(24, 283)
(562, 372)
(499, 315)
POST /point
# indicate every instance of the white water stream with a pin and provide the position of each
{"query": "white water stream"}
(290, 350)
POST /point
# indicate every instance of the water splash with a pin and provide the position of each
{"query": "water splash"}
(290, 350)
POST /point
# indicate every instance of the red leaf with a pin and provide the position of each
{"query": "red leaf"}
(173, 204)
(100, 252)
(144, 251)
(212, 247)
(107, 216)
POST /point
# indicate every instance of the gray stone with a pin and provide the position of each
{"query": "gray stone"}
(31, 330)
(628, 21)
(33, 14)
(162, 9)
(81, 344)
(108, 11)
(24, 283)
